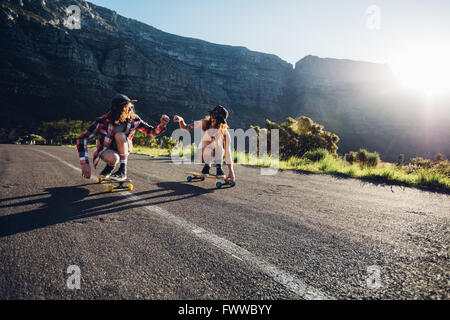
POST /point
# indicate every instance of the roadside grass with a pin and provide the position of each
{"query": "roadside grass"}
(384, 172)
(152, 152)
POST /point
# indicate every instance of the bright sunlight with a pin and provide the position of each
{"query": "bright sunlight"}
(424, 66)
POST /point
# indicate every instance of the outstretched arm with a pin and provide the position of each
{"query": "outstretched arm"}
(150, 130)
(184, 126)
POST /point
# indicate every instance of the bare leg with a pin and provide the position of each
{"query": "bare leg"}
(121, 142)
(208, 154)
(218, 151)
(123, 148)
(112, 158)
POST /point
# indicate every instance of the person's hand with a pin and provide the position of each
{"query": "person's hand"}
(86, 170)
(165, 120)
(231, 175)
(177, 119)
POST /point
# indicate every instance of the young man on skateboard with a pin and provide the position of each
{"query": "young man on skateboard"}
(115, 131)
(215, 142)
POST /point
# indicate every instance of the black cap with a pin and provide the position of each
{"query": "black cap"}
(220, 112)
(120, 100)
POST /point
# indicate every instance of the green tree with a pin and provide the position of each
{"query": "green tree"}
(298, 136)
(63, 130)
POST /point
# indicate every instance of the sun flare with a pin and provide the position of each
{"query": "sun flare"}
(424, 67)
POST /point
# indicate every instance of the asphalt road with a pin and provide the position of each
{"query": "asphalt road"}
(287, 236)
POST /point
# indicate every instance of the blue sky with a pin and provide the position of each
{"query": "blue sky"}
(292, 29)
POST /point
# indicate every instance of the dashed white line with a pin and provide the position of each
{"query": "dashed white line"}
(290, 282)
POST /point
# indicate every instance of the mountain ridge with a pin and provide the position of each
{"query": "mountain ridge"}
(54, 72)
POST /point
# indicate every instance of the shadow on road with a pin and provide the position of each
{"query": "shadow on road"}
(63, 204)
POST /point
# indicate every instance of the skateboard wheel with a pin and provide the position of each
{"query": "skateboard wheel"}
(189, 179)
(130, 187)
(233, 183)
(110, 188)
(100, 180)
(202, 179)
(219, 185)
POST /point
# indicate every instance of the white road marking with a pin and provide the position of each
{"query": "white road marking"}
(290, 282)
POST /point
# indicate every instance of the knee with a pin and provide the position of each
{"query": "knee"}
(113, 159)
(116, 159)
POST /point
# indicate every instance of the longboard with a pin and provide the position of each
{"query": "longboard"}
(200, 176)
(122, 185)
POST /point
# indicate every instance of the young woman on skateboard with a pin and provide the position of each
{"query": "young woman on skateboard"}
(115, 131)
(215, 140)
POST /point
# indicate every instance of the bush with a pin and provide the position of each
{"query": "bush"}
(443, 167)
(364, 158)
(373, 159)
(316, 155)
(144, 140)
(31, 139)
(63, 130)
(167, 143)
(419, 164)
(351, 157)
(439, 157)
(298, 136)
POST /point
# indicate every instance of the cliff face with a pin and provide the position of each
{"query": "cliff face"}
(50, 72)
(54, 72)
(362, 103)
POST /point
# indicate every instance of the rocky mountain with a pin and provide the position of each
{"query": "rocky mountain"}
(52, 71)
(363, 103)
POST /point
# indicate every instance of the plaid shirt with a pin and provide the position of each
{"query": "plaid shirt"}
(104, 128)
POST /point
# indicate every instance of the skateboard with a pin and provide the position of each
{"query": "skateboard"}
(219, 184)
(123, 185)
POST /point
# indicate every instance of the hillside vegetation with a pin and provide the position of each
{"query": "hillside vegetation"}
(304, 146)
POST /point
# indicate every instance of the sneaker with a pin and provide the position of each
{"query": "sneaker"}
(120, 175)
(206, 169)
(106, 173)
(219, 172)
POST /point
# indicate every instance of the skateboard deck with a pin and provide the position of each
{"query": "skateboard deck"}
(200, 176)
(122, 185)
